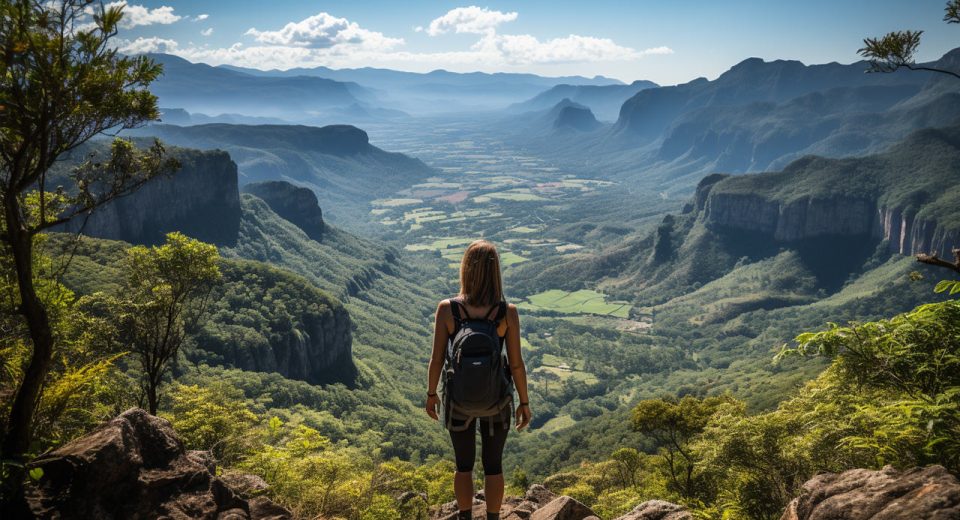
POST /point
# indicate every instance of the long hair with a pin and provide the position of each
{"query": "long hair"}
(480, 283)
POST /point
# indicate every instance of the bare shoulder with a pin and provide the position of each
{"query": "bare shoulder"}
(513, 315)
(443, 307)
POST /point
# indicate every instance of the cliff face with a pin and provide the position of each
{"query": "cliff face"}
(268, 320)
(317, 350)
(296, 204)
(200, 199)
(823, 217)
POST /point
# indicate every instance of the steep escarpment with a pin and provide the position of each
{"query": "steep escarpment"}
(293, 203)
(269, 320)
(337, 162)
(903, 196)
(200, 199)
(575, 118)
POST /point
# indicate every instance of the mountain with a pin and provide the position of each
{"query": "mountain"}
(760, 116)
(293, 203)
(835, 213)
(439, 91)
(578, 118)
(337, 162)
(201, 201)
(197, 87)
(604, 100)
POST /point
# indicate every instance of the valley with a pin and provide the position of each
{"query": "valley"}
(728, 287)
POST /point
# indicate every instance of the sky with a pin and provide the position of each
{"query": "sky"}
(666, 41)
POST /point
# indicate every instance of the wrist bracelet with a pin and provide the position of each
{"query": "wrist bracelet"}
(525, 404)
(431, 394)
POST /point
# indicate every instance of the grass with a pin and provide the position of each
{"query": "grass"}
(584, 301)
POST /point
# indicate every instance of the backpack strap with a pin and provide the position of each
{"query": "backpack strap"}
(501, 312)
(455, 309)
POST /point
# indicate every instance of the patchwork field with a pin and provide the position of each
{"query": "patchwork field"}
(584, 301)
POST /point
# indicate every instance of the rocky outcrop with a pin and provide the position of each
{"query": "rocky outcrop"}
(538, 503)
(931, 493)
(134, 466)
(293, 203)
(657, 510)
(200, 199)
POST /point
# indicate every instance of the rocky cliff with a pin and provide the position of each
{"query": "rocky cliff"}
(906, 196)
(293, 203)
(200, 199)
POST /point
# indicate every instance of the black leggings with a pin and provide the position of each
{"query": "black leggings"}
(491, 454)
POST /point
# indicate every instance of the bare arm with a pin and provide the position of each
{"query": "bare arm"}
(434, 369)
(517, 367)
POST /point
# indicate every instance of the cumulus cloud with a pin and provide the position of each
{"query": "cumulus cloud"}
(201, 17)
(324, 39)
(137, 15)
(324, 31)
(207, 32)
(144, 45)
(470, 19)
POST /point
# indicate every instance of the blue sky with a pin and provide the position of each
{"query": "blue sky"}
(665, 41)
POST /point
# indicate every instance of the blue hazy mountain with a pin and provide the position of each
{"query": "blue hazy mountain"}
(760, 116)
(603, 100)
(439, 90)
(200, 88)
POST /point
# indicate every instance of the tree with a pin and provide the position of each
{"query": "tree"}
(61, 83)
(165, 293)
(674, 424)
(897, 49)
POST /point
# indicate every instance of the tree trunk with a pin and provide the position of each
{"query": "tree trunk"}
(16, 442)
(152, 397)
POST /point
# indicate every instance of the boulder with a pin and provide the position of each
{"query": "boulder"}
(536, 498)
(657, 510)
(931, 493)
(562, 508)
(134, 466)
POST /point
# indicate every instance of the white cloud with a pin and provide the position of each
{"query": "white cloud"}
(144, 45)
(201, 17)
(330, 41)
(137, 15)
(527, 49)
(207, 32)
(324, 31)
(470, 19)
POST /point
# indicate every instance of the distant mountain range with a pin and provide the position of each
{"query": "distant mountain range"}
(440, 90)
(603, 100)
(197, 87)
(760, 116)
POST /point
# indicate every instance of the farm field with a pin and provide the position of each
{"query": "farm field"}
(584, 301)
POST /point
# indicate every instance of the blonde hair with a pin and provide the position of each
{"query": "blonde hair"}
(480, 282)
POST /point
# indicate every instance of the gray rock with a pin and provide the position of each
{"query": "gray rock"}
(931, 493)
(657, 510)
(562, 508)
(134, 466)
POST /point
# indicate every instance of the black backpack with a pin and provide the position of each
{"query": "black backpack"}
(477, 380)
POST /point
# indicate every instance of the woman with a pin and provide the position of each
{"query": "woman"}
(481, 294)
